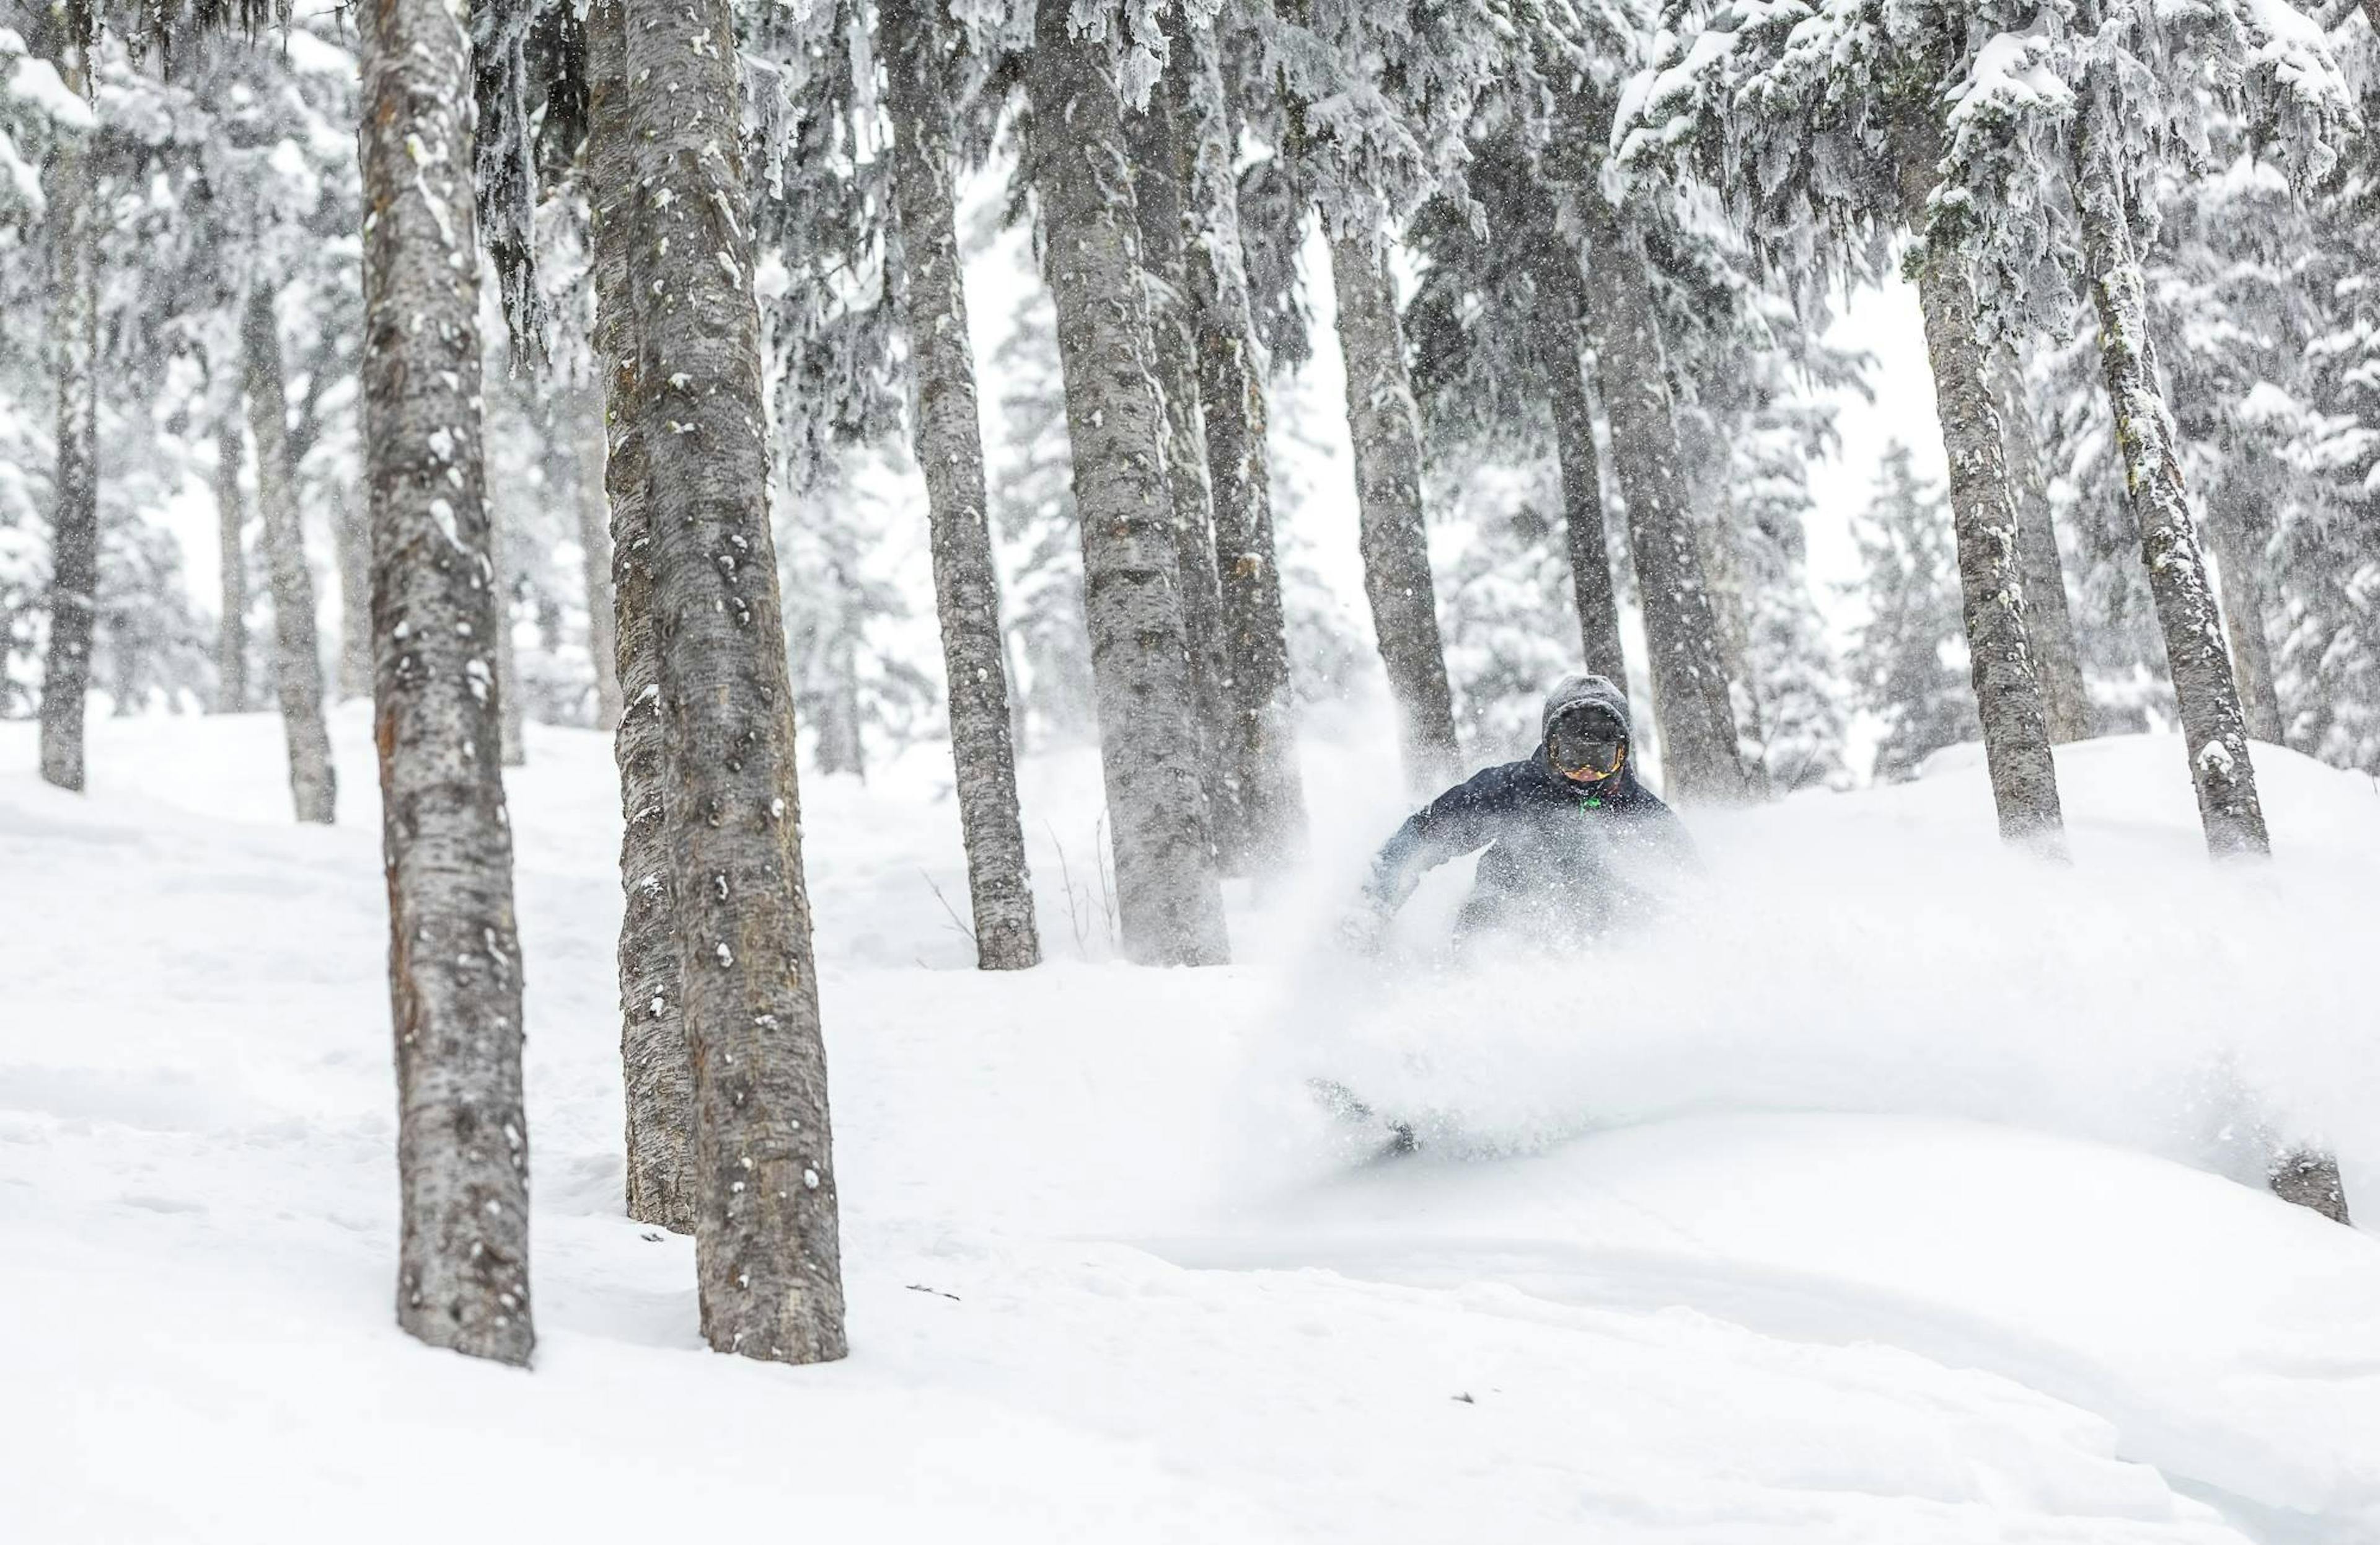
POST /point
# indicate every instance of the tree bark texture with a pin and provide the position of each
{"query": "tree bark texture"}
(1385, 427)
(74, 519)
(767, 1251)
(1230, 379)
(231, 518)
(1158, 154)
(1690, 688)
(2214, 728)
(297, 646)
(2239, 550)
(1169, 901)
(1982, 513)
(453, 950)
(948, 441)
(595, 546)
(1582, 492)
(658, 1077)
(2048, 621)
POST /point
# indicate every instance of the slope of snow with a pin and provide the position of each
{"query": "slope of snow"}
(1879, 1195)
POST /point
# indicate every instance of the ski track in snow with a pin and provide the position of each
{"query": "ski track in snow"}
(1853, 1205)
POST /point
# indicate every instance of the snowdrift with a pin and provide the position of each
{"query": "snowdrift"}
(1892, 1191)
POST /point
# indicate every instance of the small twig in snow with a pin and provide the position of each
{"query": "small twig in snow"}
(948, 910)
(1066, 878)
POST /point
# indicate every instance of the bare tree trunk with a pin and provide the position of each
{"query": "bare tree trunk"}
(2008, 691)
(2246, 614)
(659, 1079)
(231, 517)
(1385, 428)
(595, 545)
(1168, 899)
(1717, 541)
(1582, 487)
(354, 553)
(508, 687)
(2213, 726)
(766, 1241)
(1158, 154)
(1719, 545)
(1230, 389)
(74, 521)
(1690, 688)
(2048, 622)
(453, 950)
(842, 662)
(296, 653)
(950, 451)
(824, 650)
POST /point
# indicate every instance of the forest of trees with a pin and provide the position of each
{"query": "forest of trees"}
(593, 365)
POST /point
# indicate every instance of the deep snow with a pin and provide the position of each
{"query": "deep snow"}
(1881, 1195)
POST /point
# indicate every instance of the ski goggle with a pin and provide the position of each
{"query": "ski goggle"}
(1587, 750)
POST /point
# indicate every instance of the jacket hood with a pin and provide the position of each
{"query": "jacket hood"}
(1582, 690)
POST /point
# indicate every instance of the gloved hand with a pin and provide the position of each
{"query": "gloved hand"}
(1362, 929)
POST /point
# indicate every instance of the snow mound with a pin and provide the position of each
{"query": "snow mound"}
(1842, 1208)
(2226, 1338)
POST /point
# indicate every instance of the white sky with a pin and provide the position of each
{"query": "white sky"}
(1887, 325)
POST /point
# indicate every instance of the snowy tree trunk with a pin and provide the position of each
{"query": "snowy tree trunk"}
(595, 545)
(74, 520)
(231, 517)
(827, 662)
(510, 717)
(1169, 901)
(296, 652)
(1690, 692)
(2048, 622)
(767, 1253)
(1983, 513)
(453, 950)
(658, 1079)
(1270, 817)
(948, 435)
(2213, 725)
(2246, 613)
(1157, 156)
(353, 548)
(1582, 491)
(1385, 427)
(1719, 543)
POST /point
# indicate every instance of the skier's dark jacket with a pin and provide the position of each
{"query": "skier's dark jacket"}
(1561, 854)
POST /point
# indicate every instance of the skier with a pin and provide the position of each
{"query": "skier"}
(1570, 831)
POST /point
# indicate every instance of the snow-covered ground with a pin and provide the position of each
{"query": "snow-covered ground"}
(1889, 1191)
